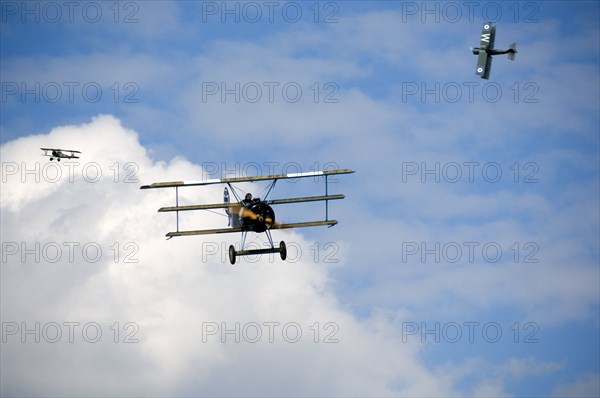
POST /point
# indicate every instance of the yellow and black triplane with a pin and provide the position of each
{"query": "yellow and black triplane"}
(251, 214)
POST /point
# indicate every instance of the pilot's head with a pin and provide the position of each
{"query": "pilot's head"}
(248, 197)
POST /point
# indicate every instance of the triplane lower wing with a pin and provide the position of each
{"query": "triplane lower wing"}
(250, 214)
(57, 153)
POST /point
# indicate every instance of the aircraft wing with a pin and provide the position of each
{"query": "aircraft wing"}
(203, 232)
(329, 223)
(58, 149)
(228, 230)
(484, 65)
(270, 202)
(488, 36)
(245, 179)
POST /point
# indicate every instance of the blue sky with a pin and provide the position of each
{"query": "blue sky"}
(474, 203)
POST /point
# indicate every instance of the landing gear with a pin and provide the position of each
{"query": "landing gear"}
(282, 250)
(232, 254)
(51, 159)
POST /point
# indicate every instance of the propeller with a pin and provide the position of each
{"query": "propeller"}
(245, 212)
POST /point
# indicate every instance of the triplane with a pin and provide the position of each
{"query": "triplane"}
(251, 214)
(59, 153)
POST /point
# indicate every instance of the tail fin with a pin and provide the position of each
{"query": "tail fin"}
(512, 51)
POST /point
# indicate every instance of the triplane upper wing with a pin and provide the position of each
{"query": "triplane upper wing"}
(253, 215)
(245, 179)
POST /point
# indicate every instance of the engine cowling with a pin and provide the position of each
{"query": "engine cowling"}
(264, 217)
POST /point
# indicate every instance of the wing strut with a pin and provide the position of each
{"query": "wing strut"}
(244, 234)
(177, 204)
(234, 192)
(176, 212)
(326, 201)
(270, 238)
(271, 186)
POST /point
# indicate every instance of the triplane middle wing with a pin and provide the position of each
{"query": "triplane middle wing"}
(250, 214)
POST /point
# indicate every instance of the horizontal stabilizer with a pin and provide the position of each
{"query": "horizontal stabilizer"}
(512, 52)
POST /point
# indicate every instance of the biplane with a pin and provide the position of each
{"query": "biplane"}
(59, 153)
(251, 214)
(486, 50)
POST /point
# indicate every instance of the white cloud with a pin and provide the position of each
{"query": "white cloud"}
(174, 288)
(172, 293)
(492, 380)
(586, 385)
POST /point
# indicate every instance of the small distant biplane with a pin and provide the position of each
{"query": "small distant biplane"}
(251, 214)
(486, 50)
(59, 153)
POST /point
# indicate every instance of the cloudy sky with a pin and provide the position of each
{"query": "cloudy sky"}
(466, 260)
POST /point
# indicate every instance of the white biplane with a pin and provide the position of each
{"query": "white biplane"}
(59, 153)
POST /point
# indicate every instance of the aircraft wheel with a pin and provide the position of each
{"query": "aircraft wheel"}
(51, 159)
(282, 250)
(231, 254)
(58, 159)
